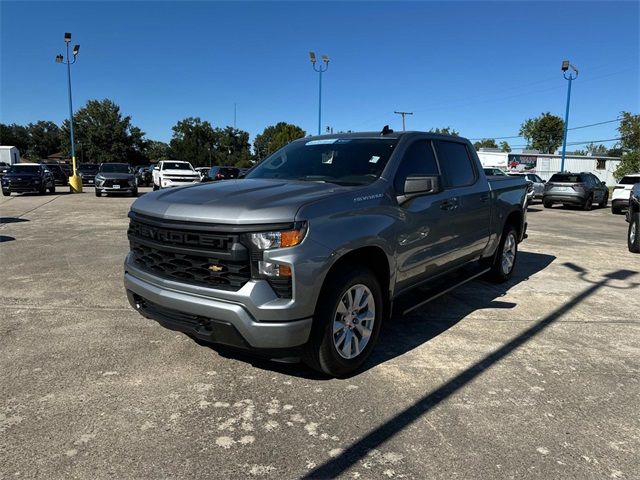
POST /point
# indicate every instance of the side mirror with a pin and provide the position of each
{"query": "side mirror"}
(604, 184)
(418, 186)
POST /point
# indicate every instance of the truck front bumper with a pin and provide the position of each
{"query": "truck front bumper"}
(214, 320)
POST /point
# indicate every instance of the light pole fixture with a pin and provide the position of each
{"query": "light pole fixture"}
(566, 65)
(75, 182)
(320, 68)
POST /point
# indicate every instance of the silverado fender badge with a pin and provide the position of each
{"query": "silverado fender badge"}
(215, 268)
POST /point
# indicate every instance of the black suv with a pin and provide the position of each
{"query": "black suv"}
(60, 176)
(28, 177)
(87, 172)
(633, 217)
(579, 189)
(221, 173)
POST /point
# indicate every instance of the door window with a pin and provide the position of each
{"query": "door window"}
(456, 165)
(418, 160)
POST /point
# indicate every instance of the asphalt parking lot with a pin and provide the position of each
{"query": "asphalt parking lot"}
(537, 378)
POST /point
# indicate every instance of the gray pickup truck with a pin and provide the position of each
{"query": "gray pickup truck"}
(319, 243)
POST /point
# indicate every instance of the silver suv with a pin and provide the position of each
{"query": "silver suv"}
(578, 189)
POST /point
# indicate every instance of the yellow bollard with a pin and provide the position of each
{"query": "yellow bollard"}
(75, 182)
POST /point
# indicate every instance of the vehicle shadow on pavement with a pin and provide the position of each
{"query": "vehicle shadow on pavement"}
(4, 220)
(6, 238)
(402, 334)
(348, 457)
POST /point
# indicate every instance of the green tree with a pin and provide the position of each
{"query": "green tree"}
(232, 147)
(485, 143)
(105, 134)
(16, 136)
(629, 163)
(157, 150)
(629, 129)
(194, 141)
(274, 137)
(504, 146)
(543, 133)
(445, 131)
(44, 139)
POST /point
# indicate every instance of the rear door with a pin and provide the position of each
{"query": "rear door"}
(468, 208)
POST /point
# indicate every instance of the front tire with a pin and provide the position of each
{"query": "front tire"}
(347, 322)
(134, 193)
(155, 187)
(547, 204)
(504, 260)
(53, 188)
(633, 238)
(616, 210)
(604, 201)
(98, 193)
(588, 204)
(6, 193)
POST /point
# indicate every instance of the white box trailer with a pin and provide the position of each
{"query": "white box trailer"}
(9, 154)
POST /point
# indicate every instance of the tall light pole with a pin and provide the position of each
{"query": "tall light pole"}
(75, 182)
(320, 69)
(570, 77)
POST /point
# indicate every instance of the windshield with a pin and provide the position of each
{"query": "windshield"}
(344, 161)
(114, 168)
(25, 169)
(176, 166)
(88, 168)
(630, 180)
(494, 171)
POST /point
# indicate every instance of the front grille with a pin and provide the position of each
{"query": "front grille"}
(214, 260)
(111, 183)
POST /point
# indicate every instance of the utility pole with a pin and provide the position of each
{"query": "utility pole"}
(404, 114)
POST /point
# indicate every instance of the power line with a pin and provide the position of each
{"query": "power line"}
(573, 128)
(578, 143)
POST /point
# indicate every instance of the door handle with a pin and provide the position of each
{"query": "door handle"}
(449, 204)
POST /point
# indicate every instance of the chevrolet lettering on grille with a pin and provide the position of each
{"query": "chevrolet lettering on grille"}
(179, 238)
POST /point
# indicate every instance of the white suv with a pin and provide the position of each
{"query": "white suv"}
(174, 173)
(622, 191)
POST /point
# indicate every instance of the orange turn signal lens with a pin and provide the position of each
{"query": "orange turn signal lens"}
(285, 271)
(291, 238)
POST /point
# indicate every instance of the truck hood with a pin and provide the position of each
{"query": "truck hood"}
(249, 201)
(182, 172)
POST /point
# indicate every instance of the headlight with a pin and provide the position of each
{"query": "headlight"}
(287, 238)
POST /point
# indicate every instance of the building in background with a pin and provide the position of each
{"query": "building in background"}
(9, 154)
(546, 165)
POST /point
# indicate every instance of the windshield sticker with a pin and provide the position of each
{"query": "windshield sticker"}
(374, 159)
(326, 141)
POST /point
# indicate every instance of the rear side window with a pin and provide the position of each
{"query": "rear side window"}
(628, 180)
(418, 160)
(566, 178)
(456, 164)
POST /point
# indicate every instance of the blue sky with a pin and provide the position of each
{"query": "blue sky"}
(480, 67)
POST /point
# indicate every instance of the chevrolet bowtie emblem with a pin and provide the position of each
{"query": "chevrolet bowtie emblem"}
(215, 268)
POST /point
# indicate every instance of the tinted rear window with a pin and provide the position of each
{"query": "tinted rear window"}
(455, 164)
(630, 180)
(25, 169)
(566, 178)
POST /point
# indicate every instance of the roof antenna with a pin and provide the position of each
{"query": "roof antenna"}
(386, 130)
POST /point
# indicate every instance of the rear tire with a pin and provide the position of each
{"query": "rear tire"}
(155, 187)
(588, 204)
(633, 237)
(6, 193)
(504, 261)
(98, 193)
(347, 322)
(53, 188)
(616, 210)
(134, 193)
(547, 204)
